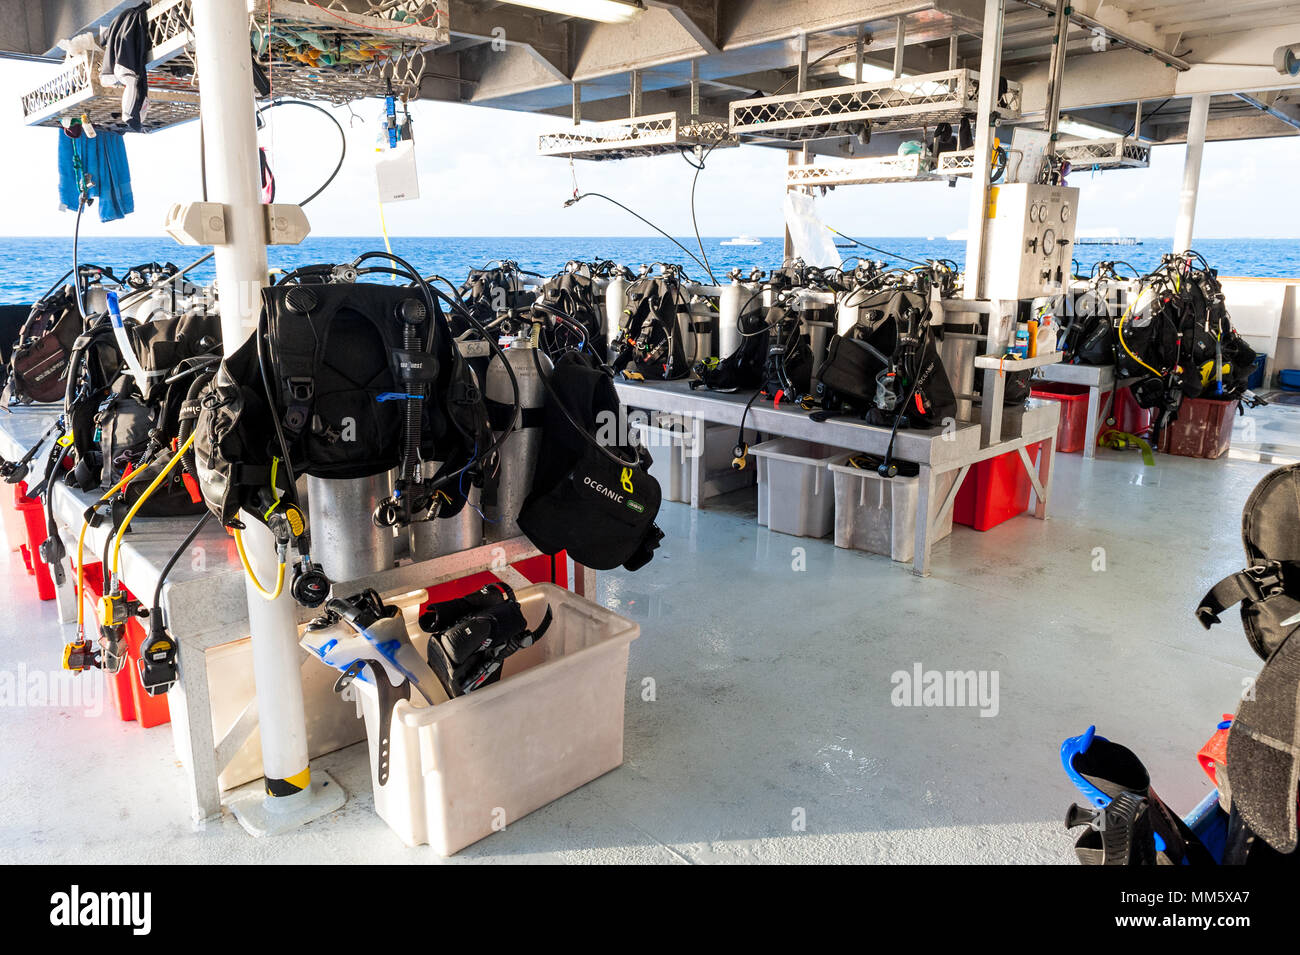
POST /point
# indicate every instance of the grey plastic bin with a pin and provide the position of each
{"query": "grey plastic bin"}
(878, 514)
(670, 447)
(795, 494)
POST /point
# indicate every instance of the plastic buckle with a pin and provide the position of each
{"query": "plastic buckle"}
(300, 389)
(1266, 578)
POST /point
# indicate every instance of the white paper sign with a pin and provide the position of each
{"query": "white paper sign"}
(396, 173)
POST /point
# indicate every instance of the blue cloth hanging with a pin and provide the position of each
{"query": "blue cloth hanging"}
(104, 157)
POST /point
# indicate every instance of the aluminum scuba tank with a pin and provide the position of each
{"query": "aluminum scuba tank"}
(732, 299)
(517, 457)
(615, 306)
(448, 535)
(846, 316)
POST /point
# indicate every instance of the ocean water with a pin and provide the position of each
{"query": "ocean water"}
(31, 265)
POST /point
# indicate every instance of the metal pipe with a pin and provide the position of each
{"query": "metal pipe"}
(1196, 124)
(1115, 36)
(230, 142)
(1057, 74)
(952, 52)
(859, 52)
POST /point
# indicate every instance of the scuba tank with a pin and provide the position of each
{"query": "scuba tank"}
(449, 535)
(517, 460)
(615, 306)
(732, 300)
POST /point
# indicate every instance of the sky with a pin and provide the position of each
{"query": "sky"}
(480, 176)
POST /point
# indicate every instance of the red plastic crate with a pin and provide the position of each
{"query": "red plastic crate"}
(1126, 414)
(1203, 429)
(129, 697)
(1074, 411)
(537, 569)
(33, 513)
(994, 491)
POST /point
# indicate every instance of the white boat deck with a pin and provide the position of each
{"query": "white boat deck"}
(769, 702)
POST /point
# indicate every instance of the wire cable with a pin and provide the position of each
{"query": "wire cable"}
(600, 195)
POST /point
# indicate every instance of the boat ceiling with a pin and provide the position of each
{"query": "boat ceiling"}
(1121, 53)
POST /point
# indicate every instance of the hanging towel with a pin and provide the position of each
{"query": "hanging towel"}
(104, 158)
(126, 58)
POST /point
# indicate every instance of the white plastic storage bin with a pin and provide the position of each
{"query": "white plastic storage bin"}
(463, 769)
(671, 446)
(795, 494)
(878, 514)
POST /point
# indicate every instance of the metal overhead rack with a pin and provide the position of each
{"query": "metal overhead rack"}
(77, 91)
(651, 135)
(329, 51)
(1122, 153)
(1083, 154)
(871, 169)
(908, 102)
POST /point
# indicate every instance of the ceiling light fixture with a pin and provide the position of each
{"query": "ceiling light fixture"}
(602, 11)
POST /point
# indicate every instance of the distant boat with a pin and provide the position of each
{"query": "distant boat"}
(742, 240)
(1108, 240)
(1109, 236)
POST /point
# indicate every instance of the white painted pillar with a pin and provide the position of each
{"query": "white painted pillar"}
(977, 221)
(1196, 124)
(234, 179)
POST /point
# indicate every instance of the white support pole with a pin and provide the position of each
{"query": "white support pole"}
(952, 52)
(233, 179)
(1196, 124)
(990, 67)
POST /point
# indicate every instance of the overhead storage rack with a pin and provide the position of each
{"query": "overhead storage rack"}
(328, 51)
(320, 50)
(651, 135)
(76, 90)
(907, 102)
(871, 169)
(1120, 153)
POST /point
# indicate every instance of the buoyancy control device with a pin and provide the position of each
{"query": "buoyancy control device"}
(496, 288)
(575, 307)
(1176, 336)
(886, 367)
(651, 341)
(342, 380)
(38, 365)
(592, 493)
(1263, 756)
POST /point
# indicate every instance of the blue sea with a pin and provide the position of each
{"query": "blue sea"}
(33, 264)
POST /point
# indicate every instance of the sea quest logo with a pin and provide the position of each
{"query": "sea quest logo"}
(75, 908)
